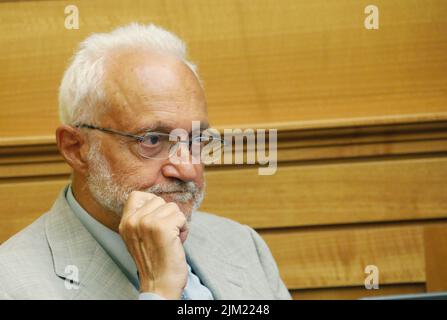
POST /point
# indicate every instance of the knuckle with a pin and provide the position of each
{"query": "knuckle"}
(134, 195)
(134, 200)
(173, 206)
(182, 218)
(147, 223)
(158, 201)
(157, 227)
(131, 223)
(121, 228)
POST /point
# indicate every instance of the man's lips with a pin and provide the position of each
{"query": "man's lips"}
(172, 193)
(177, 196)
(168, 192)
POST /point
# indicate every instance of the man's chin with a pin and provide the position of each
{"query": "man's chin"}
(186, 208)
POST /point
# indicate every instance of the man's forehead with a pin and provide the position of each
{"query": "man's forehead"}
(125, 119)
(156, 117)
(147, 72)
(153, 93)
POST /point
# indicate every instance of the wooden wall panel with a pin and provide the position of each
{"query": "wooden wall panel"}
(22, 203)
(337, 258)
(331, 194)
(436, 257)
(362, 120)
(350, 293)
(275, 62)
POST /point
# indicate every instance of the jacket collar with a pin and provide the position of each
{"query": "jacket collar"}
(72, 245)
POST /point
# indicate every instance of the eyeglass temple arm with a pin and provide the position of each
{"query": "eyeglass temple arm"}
(124, 134)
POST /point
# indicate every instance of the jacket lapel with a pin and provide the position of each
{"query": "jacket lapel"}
(222, 271)
(72, 245)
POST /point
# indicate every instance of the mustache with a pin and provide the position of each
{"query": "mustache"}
(177, 186)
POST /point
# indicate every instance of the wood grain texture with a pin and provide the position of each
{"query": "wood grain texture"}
(435, 240)
(331, 193)
(270, 63)
(351, 293)
(337, 258)
(22, 203)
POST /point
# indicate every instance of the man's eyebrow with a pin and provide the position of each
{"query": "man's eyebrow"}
(160, 127)
(157, 126)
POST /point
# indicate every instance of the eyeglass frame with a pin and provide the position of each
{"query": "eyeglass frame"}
(140, 139)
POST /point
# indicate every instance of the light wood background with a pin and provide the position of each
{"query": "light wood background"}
(361, 114)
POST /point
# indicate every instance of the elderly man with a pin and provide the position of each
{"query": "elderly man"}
(127, 226)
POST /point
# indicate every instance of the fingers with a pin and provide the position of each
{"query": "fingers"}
(154, 231)
(151, 206)
(166, 217)
(146, 214)
(138, 203)
(136, 200)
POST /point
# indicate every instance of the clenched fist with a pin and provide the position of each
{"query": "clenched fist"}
(154, 232)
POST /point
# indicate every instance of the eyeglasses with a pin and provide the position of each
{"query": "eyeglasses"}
(159, 145)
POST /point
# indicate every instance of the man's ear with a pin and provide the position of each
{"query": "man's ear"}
(73, 147)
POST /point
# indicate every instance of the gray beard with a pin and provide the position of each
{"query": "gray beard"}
(113, 195)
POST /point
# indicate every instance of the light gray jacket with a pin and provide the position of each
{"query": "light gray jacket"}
(37, 263)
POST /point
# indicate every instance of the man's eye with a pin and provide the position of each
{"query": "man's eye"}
(152, 140)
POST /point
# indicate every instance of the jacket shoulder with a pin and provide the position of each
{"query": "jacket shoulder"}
(26, 263)
(250, 247)
(214, 223)
(30, 237)
(207, 217)
(231, 234)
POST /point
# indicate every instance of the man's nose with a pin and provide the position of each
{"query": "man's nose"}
(180, 167)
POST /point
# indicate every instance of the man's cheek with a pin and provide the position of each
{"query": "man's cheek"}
(141, 178)
(200, 180)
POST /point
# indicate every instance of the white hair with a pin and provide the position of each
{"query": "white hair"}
(81, 89)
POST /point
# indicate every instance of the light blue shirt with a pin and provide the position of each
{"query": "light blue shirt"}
(115, 247)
